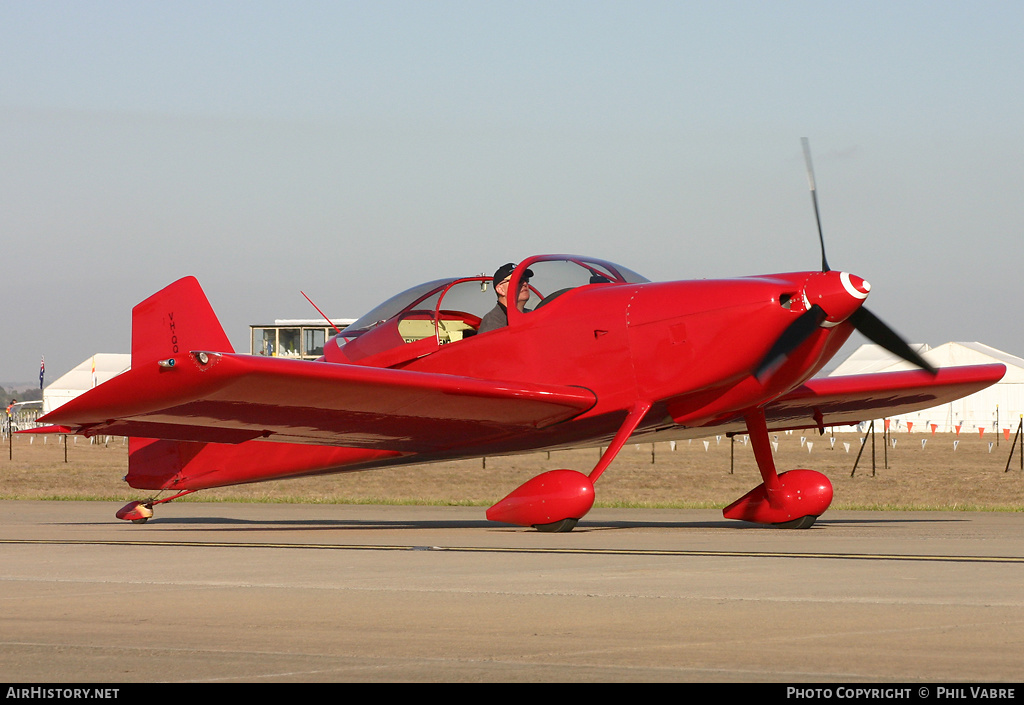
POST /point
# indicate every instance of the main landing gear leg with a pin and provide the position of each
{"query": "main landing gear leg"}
(142, 511)
(792, 500)
(555, 501)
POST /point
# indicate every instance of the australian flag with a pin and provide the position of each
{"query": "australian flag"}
(42, 370)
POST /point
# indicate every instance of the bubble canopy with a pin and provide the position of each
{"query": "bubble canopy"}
(550, 275)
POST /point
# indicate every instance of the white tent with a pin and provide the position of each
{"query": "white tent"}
(872, 358)
(88, 374)
(994, 409)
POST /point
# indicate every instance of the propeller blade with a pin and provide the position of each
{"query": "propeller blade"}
(791, 338)
(876, 331)
(814, 198)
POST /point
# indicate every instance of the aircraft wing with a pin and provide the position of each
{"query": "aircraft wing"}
(233, 398)
(847, 400)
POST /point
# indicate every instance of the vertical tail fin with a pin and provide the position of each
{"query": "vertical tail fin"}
(176, 319)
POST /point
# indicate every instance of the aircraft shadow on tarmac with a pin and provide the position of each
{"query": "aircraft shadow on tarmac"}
(215, 523)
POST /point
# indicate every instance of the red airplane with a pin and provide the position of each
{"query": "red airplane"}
(595, 356)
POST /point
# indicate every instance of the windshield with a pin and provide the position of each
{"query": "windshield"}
(553, 275)
(396, 304)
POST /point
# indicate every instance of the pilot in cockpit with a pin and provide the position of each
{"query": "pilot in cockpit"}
(497, 317)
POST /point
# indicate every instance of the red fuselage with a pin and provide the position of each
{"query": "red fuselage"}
(689, 348)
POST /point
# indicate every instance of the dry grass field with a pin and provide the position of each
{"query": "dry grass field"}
(932, 476)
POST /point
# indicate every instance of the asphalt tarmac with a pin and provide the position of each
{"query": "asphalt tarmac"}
(250, 593)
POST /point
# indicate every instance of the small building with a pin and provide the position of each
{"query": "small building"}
(303, 339)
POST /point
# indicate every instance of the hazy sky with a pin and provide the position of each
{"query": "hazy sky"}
(353, 149)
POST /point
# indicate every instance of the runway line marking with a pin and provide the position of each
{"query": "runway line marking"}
(539, 550)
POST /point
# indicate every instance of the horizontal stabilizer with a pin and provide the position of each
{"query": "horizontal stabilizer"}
(47, 429)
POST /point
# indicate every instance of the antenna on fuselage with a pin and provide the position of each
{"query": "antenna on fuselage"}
(320, 312)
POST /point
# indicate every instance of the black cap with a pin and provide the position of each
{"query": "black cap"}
(505, 271)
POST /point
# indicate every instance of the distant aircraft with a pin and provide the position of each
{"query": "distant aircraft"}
(596, 355)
